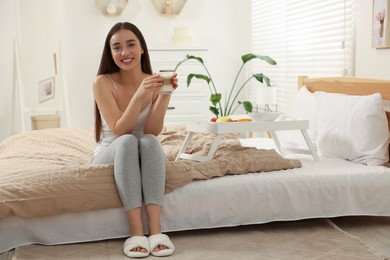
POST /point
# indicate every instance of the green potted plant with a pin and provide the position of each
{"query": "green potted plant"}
(228, 108)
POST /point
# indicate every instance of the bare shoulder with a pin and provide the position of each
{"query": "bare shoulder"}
(102, 83)
(100, 79)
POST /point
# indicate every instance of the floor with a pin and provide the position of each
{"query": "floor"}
(372, 231)
(7, 255)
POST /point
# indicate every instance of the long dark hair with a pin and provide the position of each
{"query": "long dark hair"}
(107, 64)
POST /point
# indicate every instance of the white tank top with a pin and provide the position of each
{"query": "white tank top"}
(107, 136)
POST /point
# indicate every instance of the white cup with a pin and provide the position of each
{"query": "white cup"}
(167, 75)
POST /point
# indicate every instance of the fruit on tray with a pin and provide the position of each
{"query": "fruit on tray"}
(224, 119)
(228, 119)
(243, 120)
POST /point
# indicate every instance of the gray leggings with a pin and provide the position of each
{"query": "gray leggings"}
(139, 169)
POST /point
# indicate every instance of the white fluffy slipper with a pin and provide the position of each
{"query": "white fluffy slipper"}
(161, 239)
(133, 242)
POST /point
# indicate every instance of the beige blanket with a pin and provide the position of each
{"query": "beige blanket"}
(230, 158)
(47, 172)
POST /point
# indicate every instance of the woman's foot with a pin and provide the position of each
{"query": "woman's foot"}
(159, 248)
(136, 246)
(161, 245)
(139, 249)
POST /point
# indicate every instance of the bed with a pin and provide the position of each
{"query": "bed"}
(351, 181)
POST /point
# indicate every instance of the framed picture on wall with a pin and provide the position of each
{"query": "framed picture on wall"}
(46, 89)
(380, 24)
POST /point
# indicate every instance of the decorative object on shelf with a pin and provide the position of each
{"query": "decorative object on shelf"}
(46, 89)
(181, 37)
(111, 7)
(380, 24)
(169, 7)
(215, 98)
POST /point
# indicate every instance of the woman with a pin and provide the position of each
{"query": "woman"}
(129, 115)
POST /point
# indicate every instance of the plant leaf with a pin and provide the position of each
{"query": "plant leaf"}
(214, 110)
(262, 78)
(198, 76)
(215, 98)
(189, 57)
(247, 57)
(247, 106)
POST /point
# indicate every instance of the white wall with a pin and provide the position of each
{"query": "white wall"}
(38, 43)
(80, 28)
(75, 30)
(370, 62)
(83, 35)
(7, 32)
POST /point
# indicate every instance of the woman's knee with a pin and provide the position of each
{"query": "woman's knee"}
(149, 140)
(127, 141)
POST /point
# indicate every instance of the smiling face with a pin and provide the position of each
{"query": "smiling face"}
(126, 49)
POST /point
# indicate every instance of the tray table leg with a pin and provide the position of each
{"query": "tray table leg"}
(277, 143)
(184, 145)
(310, 145)
(213, 147)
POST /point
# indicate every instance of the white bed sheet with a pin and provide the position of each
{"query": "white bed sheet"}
(328, 188)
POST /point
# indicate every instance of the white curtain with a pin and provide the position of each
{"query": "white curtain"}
(306, 37)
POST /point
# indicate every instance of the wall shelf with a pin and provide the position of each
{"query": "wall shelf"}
(169, 7)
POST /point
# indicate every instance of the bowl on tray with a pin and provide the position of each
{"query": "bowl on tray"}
(264, 116)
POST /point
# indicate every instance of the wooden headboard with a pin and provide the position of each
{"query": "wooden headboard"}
(348, 85)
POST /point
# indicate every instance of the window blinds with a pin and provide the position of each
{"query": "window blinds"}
(305, 37)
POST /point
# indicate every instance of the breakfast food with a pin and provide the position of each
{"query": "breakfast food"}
(224, 119)
(243, 120)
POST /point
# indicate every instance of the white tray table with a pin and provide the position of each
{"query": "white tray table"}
(219, 129)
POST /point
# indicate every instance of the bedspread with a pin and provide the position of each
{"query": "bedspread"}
(48, 172)
(230, 158)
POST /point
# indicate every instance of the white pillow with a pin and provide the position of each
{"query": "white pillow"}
(352, 127)
(303, 107)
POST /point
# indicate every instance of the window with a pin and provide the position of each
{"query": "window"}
(305, 37)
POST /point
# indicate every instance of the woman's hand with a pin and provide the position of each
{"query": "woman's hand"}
(155, 120)
(149, 84)
(175, 81)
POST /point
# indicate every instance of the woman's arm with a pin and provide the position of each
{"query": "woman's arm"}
(106, 99)
(155, 121)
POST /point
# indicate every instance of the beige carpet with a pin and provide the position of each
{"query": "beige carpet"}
(374, 231)
(309, 239)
